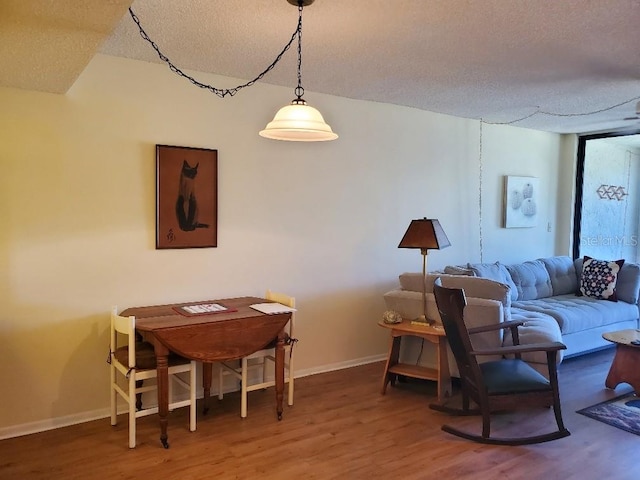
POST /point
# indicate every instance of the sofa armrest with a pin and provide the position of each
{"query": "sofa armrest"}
(406, 302)
(478, 313)
(484, 317)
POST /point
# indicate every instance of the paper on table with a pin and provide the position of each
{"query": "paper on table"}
(204, 308)
(272, 308)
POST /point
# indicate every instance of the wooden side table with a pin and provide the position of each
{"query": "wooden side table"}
(393, 368)
(624, 368)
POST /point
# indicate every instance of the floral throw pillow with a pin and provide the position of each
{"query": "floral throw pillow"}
(599, 278)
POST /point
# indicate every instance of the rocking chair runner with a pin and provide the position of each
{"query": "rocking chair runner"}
(505, 384)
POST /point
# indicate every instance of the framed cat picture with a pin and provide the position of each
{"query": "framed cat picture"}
(186, 197)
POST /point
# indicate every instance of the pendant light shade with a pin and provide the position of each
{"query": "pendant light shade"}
(298, 122)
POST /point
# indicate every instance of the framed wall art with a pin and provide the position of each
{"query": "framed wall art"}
(521, 196)
(186, 197)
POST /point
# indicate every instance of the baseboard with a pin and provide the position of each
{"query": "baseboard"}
(340, 366)
(52, 423)
(231, 384)
(67, 420)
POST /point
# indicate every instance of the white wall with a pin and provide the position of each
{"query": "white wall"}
(319, 221)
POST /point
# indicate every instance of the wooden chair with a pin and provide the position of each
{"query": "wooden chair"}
(498, 385)
(263, 361)
(135, 361)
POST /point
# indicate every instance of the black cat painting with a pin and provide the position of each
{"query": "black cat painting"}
(187, 203)
(186, 197)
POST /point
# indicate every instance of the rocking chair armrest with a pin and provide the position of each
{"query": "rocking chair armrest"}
(496, 326)
(532, 347)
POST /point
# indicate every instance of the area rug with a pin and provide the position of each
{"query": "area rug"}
(622, 412)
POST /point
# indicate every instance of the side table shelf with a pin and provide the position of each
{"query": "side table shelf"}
(414, 371)
(393, 367)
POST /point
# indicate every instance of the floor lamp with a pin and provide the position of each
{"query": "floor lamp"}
(425, 234)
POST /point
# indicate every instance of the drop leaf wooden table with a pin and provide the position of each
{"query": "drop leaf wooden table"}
(208, 338)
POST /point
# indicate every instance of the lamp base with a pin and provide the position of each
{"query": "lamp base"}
(423, 321)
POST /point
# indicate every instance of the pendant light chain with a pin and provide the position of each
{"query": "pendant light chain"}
(299, 89)
(223, 92)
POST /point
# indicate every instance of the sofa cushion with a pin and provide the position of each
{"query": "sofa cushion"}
(481, 288)
(575, 314)
(628, 286)
(497, 272)
(599, 277)
(531, 279)
(562, 273)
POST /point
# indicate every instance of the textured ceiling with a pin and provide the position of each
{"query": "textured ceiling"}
(499, 60)
(45, 45)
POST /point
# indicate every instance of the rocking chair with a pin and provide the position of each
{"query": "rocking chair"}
(500, 385)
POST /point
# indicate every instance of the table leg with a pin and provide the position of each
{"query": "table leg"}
(392, 359)
(162, 366)
(624, 368)
(444, 377)
(279, 373)
(206, 385)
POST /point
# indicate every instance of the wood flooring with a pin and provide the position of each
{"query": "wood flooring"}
(340, 427)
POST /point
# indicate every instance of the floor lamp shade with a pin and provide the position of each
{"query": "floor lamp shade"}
(425, 234)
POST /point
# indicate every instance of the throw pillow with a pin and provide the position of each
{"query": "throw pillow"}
(599, 278)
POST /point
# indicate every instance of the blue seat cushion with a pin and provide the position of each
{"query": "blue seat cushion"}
(512, 376)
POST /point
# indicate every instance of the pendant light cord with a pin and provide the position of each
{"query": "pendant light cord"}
(539, 111)
(223, 92)
(480, 195)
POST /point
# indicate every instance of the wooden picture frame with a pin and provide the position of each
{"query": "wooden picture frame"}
(521, 197)
(186, 197)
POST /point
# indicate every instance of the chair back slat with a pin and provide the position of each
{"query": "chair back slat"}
(451, 303)
(284, 300)
(125, 326)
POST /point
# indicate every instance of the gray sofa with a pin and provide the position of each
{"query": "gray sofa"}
(541, 292)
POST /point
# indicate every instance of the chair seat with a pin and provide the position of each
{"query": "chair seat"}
(146, 356)
(512, 376)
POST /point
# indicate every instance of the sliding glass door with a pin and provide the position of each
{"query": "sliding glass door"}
(607, 213)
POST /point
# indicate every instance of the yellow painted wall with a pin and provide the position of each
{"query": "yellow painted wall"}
(319, 221)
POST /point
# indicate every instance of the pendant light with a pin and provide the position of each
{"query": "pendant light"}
(295, 122)
(299, 122)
